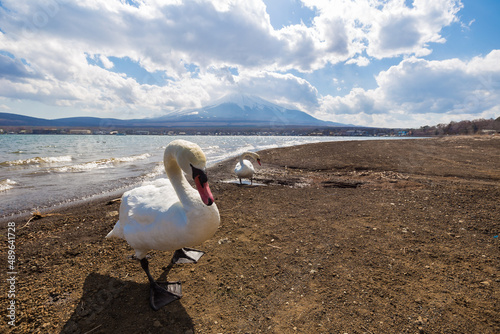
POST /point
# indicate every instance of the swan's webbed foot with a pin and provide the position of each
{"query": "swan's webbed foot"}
(187, 255)
(161, 295)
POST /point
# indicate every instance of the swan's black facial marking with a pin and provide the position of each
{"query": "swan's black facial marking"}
(200, 173)
(201, 181)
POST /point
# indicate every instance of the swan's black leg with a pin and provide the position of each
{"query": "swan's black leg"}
(160, 296)
(187, 255)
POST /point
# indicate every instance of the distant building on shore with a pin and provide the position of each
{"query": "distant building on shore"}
(45, 131)
(355, 133)
(79, 132)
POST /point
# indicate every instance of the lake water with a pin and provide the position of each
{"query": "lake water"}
(42, 171)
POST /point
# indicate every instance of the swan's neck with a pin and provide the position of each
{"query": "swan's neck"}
(178, 180)
(248, 155)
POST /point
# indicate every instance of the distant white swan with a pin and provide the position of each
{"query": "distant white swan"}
(168, 215)
(244, 168)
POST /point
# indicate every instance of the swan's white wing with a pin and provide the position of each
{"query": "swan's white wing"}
(163, 233)
(151, 216)
(245, 170)
(145, 203)
(237, 168)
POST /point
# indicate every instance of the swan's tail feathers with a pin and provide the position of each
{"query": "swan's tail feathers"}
(116, 232)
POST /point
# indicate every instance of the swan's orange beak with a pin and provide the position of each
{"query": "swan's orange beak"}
(204, 190)
(258, 160)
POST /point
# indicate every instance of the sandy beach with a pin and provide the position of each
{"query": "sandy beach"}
(395, 236)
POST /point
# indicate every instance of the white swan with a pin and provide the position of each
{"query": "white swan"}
(244, 168)
(169, 215)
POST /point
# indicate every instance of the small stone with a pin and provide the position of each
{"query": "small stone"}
(157, 323)
(112, 214)
(223, 241)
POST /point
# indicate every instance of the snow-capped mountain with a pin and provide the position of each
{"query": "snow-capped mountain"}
(243, 100)
(245, 110)
(231, 110)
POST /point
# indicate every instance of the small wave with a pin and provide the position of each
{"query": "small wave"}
(101, 163)
(37, 161)
(131, 158)
(159, 169)
(211, 149)
(266, 147)
(6, 184)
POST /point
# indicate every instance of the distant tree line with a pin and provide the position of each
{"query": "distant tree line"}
(478, 126)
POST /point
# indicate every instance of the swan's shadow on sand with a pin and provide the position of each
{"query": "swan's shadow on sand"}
(110, 305)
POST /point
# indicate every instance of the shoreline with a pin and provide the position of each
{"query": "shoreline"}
(54, 209)
(44, 182)
(28, 212)
(358, 236)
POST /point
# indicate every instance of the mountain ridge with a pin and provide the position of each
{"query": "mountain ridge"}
(230, 110)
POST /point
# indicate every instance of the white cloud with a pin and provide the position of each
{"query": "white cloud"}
(108, 64)
(14, 69)
(283, 89)
(381, 28)
(421, 90)
(360, 61)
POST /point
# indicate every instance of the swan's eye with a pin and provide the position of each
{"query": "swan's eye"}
(200, 173)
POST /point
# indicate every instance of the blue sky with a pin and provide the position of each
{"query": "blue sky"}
(390, 63)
